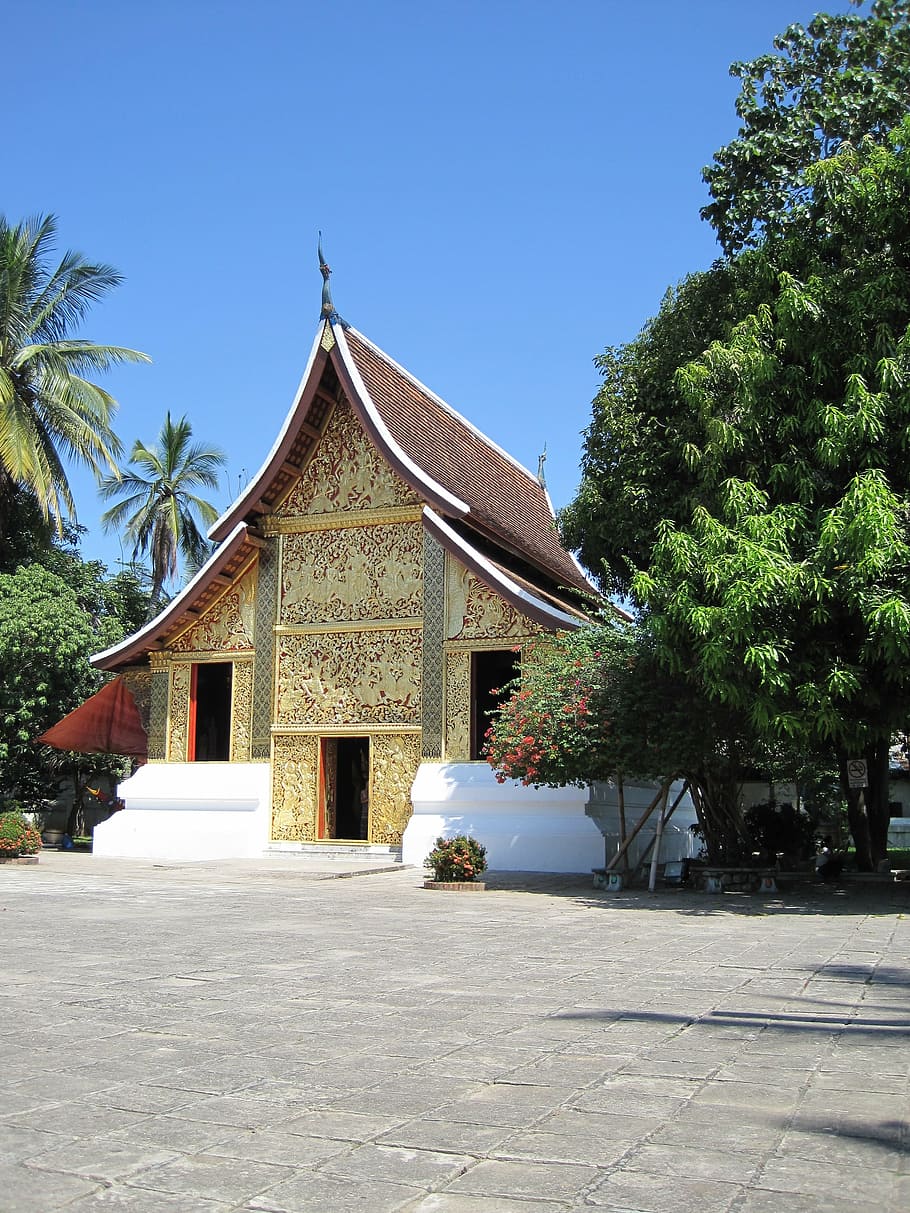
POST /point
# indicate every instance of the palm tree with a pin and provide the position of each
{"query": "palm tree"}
(159, 509)
(48, 410)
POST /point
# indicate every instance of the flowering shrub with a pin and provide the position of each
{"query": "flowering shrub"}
(456, 859)
(17, 836)
(557, 725)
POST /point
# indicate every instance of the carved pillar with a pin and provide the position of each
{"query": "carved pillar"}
(158, 697)
(264, 661)
(434, 627)
(458, 707)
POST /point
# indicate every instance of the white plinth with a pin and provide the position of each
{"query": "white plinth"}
(677, 841)
(190, 810)
(523, 829)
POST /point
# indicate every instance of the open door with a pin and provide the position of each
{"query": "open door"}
(345, 793)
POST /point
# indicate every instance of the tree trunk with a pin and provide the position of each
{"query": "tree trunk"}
(867, 808)
(716, 796)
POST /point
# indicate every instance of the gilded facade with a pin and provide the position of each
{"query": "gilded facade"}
(325, 634)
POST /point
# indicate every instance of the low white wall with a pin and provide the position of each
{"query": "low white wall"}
(523, 829)
(190, 810)
(677, 841)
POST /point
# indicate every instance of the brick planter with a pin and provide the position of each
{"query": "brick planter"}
(18, 858)
(456, 886)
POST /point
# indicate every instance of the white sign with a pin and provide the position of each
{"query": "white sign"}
(857, 773)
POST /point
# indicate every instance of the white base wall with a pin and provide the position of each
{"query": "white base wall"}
(190, 810)
(523, 829)
(677, 841)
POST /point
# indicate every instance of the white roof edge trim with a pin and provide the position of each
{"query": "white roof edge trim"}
(403, 370)
(250, 491)
(498, 578)
(457, 506)
(176, 604)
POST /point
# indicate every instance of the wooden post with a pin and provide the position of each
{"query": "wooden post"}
(620, 854)
(652, 878)
(621, 801)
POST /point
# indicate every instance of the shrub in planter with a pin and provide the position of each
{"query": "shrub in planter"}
(457, 859)
(18, 836)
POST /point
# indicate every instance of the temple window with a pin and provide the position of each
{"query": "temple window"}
(491, 670)
(210, 712)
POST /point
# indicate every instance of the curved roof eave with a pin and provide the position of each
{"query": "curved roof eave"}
(419, 480)
(251, 494)
(146, 638)
(526, 604)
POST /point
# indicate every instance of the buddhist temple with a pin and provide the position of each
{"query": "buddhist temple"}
(328, 676)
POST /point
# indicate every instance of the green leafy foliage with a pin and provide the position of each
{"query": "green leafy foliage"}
(17, 835)
(457, 859)
(49, 409)
(159, 510)
(840, 80)
(54, 613)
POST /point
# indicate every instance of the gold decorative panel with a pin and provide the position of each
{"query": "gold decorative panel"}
(434, 620)
(241, 711)
(345, 472)
(350, 574)
(158, 705)
(349, 678)
(475, 612)
(138, 681)
(458, 706)
(228, 625)
(295, 788)
(394, 759)
(178, 712)
(264, 657)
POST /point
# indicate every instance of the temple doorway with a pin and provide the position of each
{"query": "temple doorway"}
(346, 787)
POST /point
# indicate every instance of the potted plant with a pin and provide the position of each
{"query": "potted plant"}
(18, 837)
(456, 863)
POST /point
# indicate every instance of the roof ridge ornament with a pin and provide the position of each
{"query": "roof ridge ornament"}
(541, 460)
(327, 311)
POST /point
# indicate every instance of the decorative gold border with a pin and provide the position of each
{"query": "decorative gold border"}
(207, 655)
(495, 642)
(340, 520)
(354, 728)
(354, 625)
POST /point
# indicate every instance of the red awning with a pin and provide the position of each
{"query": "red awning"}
(107, 723)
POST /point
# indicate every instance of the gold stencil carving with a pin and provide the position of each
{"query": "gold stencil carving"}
(351, 574)
(395, 759)
(327, 341)
(458, 707)
(241, 711)
(475, 612)
(339, 678)
(295, 788)
(345, 472)
(228, 625)
(138, 681)
(178, 713)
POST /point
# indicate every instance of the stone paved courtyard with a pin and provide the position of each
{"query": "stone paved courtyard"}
(215, 1037)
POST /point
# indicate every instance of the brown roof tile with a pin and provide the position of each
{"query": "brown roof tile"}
(505, 500)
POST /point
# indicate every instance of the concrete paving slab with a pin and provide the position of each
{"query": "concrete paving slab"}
(219, 1038)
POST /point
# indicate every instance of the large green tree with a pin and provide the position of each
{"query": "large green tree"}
(50, 410)
(55, 611)
(843, 78)
(160, 511)
(787, 592)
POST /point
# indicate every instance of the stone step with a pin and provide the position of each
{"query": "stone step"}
(336, 850)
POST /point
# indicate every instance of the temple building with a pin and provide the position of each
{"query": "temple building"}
(328, 676)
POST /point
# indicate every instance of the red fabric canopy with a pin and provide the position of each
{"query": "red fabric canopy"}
(107, 723)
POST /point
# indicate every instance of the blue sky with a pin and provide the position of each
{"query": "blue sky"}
(504, 187)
